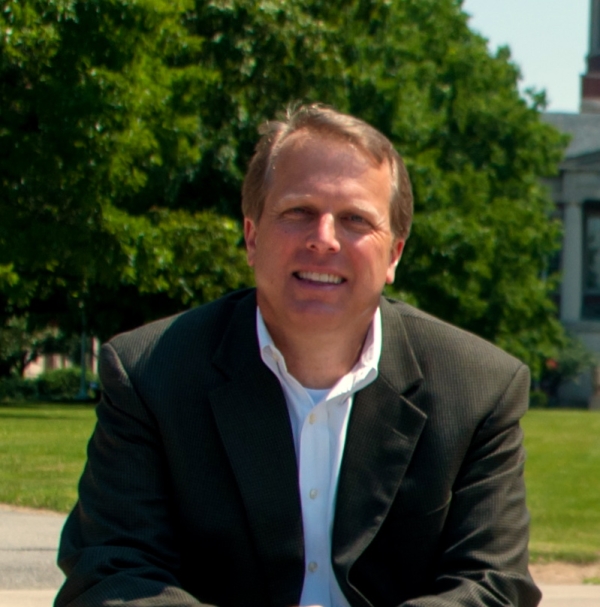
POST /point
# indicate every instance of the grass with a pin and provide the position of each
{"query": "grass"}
(563, 484)
(42, 452)
(592, 580)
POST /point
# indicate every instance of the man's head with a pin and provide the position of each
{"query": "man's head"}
(319, 213)
(327, 123)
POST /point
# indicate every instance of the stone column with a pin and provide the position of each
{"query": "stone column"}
(572, 266)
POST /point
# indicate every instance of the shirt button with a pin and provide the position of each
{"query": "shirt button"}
(313, 493)
(312, 418)
(312, 566)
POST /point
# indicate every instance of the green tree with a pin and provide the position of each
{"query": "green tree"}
(483, 235)
(170, 260)
(132, 117)
(100, 112)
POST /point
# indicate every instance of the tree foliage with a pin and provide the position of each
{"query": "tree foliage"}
(99, 124)
(126, 125)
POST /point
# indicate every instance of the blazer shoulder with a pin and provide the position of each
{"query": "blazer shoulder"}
(430, 337)
(201, 327)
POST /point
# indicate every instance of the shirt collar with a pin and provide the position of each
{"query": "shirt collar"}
(363, 373)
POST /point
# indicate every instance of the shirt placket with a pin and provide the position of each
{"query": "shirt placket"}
(314, 489)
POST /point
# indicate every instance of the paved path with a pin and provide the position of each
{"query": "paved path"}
(569, 596)
(28, 549)
(29, 576)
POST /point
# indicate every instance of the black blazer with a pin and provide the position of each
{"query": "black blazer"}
(190, 492)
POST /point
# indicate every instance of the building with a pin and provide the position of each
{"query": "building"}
(576, 191)
(52, 361)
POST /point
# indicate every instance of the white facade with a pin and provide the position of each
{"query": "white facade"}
(576, 191)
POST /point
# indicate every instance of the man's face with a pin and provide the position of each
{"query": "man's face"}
(323, 248)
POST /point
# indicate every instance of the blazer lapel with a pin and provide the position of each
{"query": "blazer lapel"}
(383, 431)
(253, 422)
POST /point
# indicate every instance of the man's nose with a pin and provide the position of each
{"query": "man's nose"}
(323, 236)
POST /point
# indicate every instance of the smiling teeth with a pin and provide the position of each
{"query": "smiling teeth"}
(314, 276)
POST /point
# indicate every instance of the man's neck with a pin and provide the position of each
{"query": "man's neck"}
(319, 359)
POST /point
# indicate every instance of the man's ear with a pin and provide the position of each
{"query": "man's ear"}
(395, 255)
(250, 238)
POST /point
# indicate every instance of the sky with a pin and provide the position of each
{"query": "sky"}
(549, 41)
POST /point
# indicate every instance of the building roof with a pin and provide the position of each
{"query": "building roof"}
(583, 128)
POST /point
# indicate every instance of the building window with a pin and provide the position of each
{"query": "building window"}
(591, 262)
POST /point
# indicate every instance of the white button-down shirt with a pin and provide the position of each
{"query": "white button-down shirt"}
(319, 420)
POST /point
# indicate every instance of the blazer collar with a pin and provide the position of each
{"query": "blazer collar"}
(383, 431)
(253, 421)
(398, 365)
(238, 355)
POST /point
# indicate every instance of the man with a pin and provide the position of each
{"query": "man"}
(309, 442)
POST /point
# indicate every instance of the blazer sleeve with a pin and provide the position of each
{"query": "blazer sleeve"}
(117, 546)
(484, 559)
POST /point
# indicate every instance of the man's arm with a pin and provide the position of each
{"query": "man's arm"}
(484, 559)
(118, 544)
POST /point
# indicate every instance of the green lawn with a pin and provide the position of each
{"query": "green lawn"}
(563, 484)
(42, 451)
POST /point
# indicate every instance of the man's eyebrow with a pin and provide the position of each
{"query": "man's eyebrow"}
(293, 198)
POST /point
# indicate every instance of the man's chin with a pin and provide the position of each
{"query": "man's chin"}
(322, 317)
(309, 316)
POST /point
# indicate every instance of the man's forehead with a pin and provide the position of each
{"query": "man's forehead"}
(300, 141)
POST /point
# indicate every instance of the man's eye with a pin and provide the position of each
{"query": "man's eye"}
(298, 211)
(359, 219)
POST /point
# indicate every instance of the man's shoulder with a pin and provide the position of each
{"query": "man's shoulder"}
(203, 325)
(433, 338)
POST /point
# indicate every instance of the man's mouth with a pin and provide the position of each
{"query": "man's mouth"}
(316, 277)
